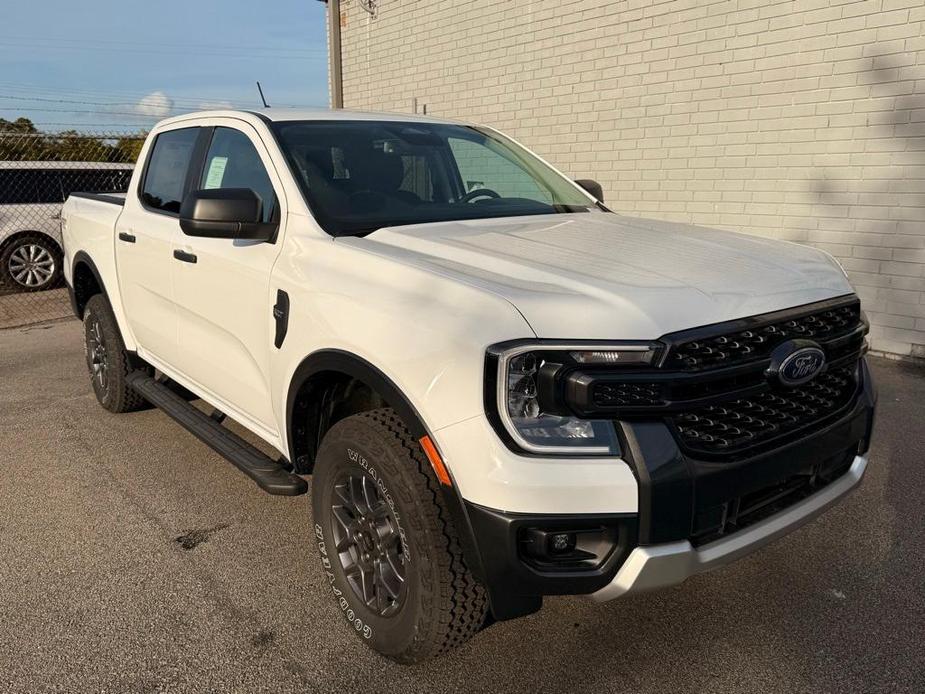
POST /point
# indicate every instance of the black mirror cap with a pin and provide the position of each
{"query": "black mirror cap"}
(225, 213)
(593, 187)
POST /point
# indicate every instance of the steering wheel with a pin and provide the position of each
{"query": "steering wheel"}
(479, 193)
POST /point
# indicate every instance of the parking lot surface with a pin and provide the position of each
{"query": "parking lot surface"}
(134, 559)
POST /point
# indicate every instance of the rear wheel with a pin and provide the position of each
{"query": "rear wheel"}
(31, 263)
(390, 553)
(108, 362)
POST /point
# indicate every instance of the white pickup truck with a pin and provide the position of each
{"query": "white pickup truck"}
(500, 389)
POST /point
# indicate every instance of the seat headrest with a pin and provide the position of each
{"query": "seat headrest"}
(377, 170)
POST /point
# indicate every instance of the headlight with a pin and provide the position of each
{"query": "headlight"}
(527, 400)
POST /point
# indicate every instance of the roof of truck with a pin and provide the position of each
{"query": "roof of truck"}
(321, 114)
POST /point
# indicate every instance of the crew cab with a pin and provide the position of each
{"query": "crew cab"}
(499, 388)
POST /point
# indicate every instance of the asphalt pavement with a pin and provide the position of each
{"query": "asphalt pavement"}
(134, 559)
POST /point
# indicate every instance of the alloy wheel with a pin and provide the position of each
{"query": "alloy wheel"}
(32, 265)
(98, 357)
(369, 544)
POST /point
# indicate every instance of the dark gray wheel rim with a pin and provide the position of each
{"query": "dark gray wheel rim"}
(368, 544)
(97, 356)
(31, 265)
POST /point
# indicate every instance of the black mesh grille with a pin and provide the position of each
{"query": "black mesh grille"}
(753, 421)
(757, 343)
(627, 394)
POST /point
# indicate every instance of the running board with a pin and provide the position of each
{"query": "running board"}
(270, 475)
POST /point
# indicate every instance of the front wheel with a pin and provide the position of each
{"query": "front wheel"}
(390, 553)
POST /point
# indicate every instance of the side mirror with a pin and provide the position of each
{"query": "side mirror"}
(593, 187)
(225, 213)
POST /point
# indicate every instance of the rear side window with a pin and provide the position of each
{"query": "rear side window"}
(165, 177)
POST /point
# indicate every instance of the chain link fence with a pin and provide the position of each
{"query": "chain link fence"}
(37, 173)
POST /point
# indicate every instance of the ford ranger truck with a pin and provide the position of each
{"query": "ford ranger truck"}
(499, 389)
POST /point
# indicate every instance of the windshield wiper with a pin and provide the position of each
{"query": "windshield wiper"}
(362, 231)
(559, 207)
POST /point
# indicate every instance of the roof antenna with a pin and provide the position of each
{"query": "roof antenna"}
(262, 98)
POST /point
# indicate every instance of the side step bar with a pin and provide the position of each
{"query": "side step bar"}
(270, 475)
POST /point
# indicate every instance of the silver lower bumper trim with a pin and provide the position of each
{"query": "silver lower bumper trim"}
(659, 566)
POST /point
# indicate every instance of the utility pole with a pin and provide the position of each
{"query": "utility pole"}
(334, 54)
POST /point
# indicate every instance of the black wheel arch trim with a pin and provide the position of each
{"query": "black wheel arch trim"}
(357, 367)
(82, 257)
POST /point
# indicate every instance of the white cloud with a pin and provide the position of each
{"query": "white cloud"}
(216, 105)
(155, 104)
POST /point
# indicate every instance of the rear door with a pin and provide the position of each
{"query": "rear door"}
(222, 290)
(146, 234)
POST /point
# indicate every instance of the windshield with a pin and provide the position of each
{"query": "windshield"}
(359, 176)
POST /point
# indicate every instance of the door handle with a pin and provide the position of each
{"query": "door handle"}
(183, 256)
(128, 238)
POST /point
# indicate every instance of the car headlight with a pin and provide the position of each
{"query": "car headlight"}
(529, 405)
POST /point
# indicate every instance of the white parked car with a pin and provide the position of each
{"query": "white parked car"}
(31, 195)
(501, 389)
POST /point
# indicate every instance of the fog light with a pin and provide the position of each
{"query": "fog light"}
(561, 543)
(567, 547)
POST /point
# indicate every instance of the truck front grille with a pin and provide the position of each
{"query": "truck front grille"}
(770, 416)
(715, 388)
(756, 341)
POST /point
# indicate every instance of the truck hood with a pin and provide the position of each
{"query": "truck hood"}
(606, 276)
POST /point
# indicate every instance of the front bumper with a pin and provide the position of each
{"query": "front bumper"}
(663, 565)
(691, 515)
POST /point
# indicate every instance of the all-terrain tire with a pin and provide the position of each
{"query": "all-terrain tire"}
(442, 605)
(106, 355)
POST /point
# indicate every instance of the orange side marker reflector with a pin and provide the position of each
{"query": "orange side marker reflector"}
(436, 462)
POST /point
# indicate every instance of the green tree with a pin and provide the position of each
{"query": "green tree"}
(20, 125)
(20, 140)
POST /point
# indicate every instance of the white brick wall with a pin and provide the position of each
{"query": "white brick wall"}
(802, 120)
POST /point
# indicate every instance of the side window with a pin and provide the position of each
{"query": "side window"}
(40, 186)
(167, 167)
(28, 187)
(233, 162)
(50, 188)
(97, 181)
(481, 167)
(7, 180)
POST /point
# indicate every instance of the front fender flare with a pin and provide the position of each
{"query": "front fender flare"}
(359, 368)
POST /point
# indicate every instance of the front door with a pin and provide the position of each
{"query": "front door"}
(222, 286)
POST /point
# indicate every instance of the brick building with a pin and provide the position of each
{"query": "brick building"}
(802, 120)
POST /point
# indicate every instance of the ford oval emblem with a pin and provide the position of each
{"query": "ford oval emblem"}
(799, 365)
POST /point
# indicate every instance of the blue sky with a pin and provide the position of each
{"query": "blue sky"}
(122, 65)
